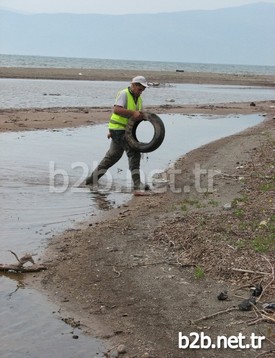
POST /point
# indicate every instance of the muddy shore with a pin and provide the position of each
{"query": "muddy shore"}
(152, 267)
(125, 75)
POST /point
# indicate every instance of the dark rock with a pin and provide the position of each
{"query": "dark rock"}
(246, 305)
(223, 296)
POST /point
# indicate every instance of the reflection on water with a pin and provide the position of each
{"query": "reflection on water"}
(27, 93)
(32, 327)
(41, 193)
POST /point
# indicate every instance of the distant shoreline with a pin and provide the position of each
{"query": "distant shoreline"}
(180, 76)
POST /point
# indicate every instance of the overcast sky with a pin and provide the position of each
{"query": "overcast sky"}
(119, 6)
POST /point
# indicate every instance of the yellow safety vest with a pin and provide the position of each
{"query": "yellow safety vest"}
(119, 122)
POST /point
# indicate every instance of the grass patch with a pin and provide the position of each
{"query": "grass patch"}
(239, 213)
(199, 273)
(267, 187)
(263, 244)
(189, 202)
(213, 202)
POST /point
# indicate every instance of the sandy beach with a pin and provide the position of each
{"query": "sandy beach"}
(154, 267)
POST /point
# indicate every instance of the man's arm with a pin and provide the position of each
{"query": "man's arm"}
(127, 113)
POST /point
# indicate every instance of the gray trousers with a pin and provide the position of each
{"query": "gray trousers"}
(115, 152)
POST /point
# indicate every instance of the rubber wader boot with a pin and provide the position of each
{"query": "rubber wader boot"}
(137, 183)
(93, 178)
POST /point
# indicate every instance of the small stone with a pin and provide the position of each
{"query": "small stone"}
(121, 349)
(227, 206)
(223, 296)
(146, 355)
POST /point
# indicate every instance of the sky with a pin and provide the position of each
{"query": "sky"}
(116, 7)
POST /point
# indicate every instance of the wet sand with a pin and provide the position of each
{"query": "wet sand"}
(126, 75)
(114, 271)
(54, 118)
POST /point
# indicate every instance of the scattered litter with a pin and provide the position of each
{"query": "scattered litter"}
(269, 306)
(256, 290)
(246, 305)
(223, 296)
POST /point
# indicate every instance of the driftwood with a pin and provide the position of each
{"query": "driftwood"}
(19, 267)
(213, 315)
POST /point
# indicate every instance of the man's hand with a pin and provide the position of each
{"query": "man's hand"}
(138, 115)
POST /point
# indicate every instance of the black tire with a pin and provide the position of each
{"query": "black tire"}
(159, 134)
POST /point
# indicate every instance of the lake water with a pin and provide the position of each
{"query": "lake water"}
(101, 63)
(27, 93)
(31, 326)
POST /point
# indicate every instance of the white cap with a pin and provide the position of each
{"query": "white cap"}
(141, 80)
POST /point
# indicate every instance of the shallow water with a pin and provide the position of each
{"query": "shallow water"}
(28, 93)
(41, 173)
(40, 177)
(32, 327)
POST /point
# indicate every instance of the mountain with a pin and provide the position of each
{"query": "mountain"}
(237, 35)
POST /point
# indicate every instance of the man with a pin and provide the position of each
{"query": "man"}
(128, 104)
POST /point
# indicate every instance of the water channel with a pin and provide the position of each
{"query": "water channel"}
(28, 93)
